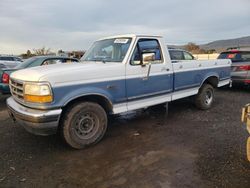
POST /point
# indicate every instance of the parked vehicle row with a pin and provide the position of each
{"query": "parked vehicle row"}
(31, 62)
(117, 74)
(9, 61)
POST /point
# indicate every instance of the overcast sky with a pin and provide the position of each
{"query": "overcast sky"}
(74, 24)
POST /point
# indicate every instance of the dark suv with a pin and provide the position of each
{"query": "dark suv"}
(240, 65)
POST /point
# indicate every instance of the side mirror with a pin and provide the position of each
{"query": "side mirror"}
(148, 58)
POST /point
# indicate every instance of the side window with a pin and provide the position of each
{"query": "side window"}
(69, 60)
(144, 46)
(17, 59)
(52, 61)
(176, 55)
(74, 60)
(7, 58)
(136, 57)
(188, 56)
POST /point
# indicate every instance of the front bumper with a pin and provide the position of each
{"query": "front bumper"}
(4, 88)
(39, 122)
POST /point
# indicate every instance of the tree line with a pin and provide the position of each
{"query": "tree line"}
(195, 49)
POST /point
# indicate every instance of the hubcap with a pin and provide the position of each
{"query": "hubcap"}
(209, 97)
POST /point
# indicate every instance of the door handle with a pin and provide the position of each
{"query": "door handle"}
(181, 66)
(111, 86)
(165, 69)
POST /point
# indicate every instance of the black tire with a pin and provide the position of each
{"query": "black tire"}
(83, 125)
(205, 97)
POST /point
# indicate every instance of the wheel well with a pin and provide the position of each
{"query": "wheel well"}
(101, 100)
(212, 80)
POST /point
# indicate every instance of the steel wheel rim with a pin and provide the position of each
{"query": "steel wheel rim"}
(85, 125)
(208, 97)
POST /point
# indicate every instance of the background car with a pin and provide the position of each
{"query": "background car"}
(240, 65)
(180, 55)
(9, 61)
(31, 62)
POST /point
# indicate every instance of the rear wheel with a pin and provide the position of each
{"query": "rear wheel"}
(84, 124)
(205, 97)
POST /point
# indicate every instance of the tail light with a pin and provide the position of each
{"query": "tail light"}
(247, 81)
(243, 68)
(5, 78)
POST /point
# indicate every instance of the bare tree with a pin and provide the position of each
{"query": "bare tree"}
(42, 51)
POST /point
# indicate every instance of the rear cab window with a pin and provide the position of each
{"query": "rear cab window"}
(188, 56)
(176, 55)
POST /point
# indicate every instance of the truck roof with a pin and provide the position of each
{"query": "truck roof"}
(130, 36)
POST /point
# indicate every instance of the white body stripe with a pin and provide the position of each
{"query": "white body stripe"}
(184, 93)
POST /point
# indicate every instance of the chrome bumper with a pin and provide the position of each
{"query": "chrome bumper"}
(39, 122)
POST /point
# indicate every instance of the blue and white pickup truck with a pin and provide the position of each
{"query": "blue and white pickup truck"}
(117, 74)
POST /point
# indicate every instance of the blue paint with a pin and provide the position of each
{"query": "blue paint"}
(195, 78)
(154, 84)
(119, 91)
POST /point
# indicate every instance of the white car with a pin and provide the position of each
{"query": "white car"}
(9, 61)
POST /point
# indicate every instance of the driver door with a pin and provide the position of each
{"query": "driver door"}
(149, 84)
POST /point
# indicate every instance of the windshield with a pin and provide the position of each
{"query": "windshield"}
(26, 63)
(109, 50)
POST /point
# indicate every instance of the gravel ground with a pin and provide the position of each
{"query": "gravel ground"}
(147, 148)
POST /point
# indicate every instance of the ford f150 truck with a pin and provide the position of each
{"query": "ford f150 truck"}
(117, 74)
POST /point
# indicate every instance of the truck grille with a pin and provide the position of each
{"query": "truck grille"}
(16, 88)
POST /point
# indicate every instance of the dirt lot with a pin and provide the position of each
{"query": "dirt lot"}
(189, 148)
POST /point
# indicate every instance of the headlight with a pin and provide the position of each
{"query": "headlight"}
(37, 92)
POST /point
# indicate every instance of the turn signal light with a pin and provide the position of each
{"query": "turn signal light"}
(38, 99)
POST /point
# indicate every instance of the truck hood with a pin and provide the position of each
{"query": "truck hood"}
(73, 72)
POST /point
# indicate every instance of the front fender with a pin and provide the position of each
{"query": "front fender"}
(63, 98)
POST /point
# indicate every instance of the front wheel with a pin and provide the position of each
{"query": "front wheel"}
(84, 124)
(205, 97)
